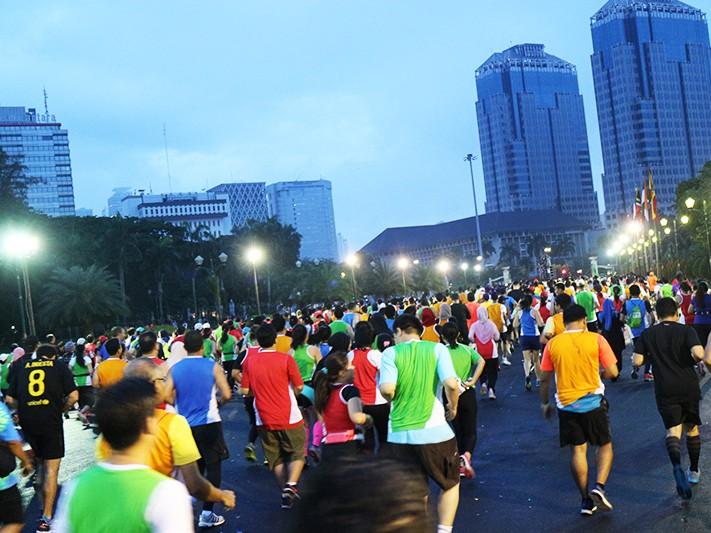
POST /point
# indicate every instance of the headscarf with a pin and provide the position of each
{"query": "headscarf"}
(17, 353)
(484, 329)
(445, 311)
(428, 317)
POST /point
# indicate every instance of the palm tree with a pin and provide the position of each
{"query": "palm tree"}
(508, 255)
(78, 296)
(564, 247)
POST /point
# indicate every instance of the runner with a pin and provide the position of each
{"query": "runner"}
(141, 499)
(110, 370)
(635, 315)
(228, 347)
(701, 307)
(413, 374)
(339, 407)
(42, 390)
(575, 357)
(273, 379)
(468, 366)
(283, 342)
(612, 325)
(484, 335)
(11, 515)
(674, 350)
(82, 370)
(555, 325)
(192, 387)
(340, 325)
(585, 298)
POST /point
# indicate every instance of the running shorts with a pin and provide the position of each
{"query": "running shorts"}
(283, 445)
(11, 506)
(592, 427)
(46, 445)
(438, 462)
(674, 414)
(210, 442)
(530, 343)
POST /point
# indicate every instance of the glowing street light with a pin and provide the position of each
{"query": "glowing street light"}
(547, 250)
(478, 267)
(21, 245)
(403, 264)
(443, 266)
(353, 261)
(684, 219)
(664, 222)
(255, 256)
(689, 203)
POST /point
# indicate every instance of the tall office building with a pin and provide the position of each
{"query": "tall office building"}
(652, 73)
(247, 201)
(42, 146)
(532, 133)
(308, 207)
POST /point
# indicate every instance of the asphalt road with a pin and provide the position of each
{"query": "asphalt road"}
(523, 478)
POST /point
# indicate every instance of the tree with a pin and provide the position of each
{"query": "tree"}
(508, 256)
(80, 297)
(13, 185)
(564, 247)
(695, 258)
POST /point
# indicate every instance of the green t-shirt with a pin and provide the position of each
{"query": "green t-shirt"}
(417, 381)
(82, 374)
(208, 347)
(305, 362)
(228, 348)
(667, 291)
(464, 358)
(338, 326)
(4, 371)
(587, 300)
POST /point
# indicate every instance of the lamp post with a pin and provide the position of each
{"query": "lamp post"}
(443, 266)
(199, 262)
(22, 245)
(471, 158)
(352, 262)
(465, 267)
(690, 204)
(255, 256)
(403, 264)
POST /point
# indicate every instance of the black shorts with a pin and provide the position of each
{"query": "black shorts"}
(210, 442)
(592, 427)
(283, 445)
(86, 397)
(47, 444)
(438, 462)
(675, 414)
(11, 506)
(530, 343)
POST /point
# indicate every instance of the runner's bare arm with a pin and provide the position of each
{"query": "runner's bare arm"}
(451, 391)
(388, 391)
(71, 400)
(221, 383)
(637, 360)
(545, 393)
(202, 489)
(477, 372)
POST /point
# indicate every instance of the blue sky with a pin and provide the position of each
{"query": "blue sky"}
(376, 96)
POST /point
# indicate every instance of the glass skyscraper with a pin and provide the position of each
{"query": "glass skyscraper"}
(532, 133)
(307, 206)
(42, 146)
(652, 72)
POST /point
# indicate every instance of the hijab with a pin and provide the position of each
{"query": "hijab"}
(484, 329)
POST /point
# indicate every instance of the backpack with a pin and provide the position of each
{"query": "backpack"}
(634, 319)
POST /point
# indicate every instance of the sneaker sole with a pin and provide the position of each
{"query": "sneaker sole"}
(588, 512)
(206, 525)
(601, 502)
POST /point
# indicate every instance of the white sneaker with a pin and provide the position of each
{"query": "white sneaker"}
(693, 477)
(492, 396)
(505, 361)
(210, 519)
(484, 389)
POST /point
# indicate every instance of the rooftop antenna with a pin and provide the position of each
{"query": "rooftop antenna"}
(167, 160)
(46, 109)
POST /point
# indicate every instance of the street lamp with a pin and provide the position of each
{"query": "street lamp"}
(212, 271)
(465, 267)
(255, 256)
(403, 264)
(352, 261)
(690, 203)
(443, 266)
(684, 219)
(471, 158)
(22, 245)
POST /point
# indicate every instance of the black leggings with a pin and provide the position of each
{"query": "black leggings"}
(464, 424)
(491, 373)
(380, 414)
(227, 366)
(213, 473)
(249, 407)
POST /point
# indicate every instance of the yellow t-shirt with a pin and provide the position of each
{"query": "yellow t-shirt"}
(283, 344)
(494, 310)
(174, 444)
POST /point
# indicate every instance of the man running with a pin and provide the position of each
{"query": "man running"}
(412, 376)
(576, 356)
(634, 314)
(674, 350)
(110, 370)
(141, 499)
(42, 390)
(192, 387)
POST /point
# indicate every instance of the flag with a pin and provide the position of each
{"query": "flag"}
(645, 202)
(652, 197)
(637, 212)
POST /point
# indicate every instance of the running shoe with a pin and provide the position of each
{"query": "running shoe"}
(600, 499)
(587, 507)
(529, 387)
(492, 395)
(505, 361)
(43, 525)
(484, 390)
(289, 495)
(682, 484)
(635, 373)
(693, 477)
(250, 453)
(465, 467)
(210, 519)
(648, 377)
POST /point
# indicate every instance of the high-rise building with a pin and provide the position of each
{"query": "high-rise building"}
(248, 201)
(42, 146)
(652, 72)
(117, 196)
(532, 133)
(308, 207)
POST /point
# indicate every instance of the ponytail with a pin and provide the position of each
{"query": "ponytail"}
(227, 325)
(79, 355)
(335, 363)
(450, 332)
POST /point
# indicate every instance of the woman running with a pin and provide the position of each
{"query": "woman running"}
(339, 407)
(612, 325)
(530, 322)
(701, 307)
(307, 356)
(464, 359)
(229, 348)
(366, 362)
(82, 370)
(485, 334)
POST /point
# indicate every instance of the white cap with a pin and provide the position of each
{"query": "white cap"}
(198, 326)
(81, 340)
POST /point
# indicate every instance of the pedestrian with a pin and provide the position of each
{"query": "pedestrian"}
(82, 369)
(110, 370)
(701, 309)
(228, 347)
(612, 326)
(530, 322)
(635, 315)
(484, 334)
(674, 350)
(575, 357)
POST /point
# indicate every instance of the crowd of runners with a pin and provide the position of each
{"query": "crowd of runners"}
(377, 398)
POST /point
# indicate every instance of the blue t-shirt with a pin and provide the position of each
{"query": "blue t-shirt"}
(195, 392)
(7, 433)
(702, 312)
(629, 307)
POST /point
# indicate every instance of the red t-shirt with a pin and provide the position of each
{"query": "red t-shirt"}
(270, 376)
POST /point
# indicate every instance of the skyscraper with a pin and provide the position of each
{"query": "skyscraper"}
(308, 207)
(42, 146)
(248, 201)
(534, 143)
(652, 73)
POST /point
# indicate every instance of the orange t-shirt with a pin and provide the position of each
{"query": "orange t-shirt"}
(430, 334)
(495, 315)
(110, 371)
(576, 358)
(283, 344)
(473, 308)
